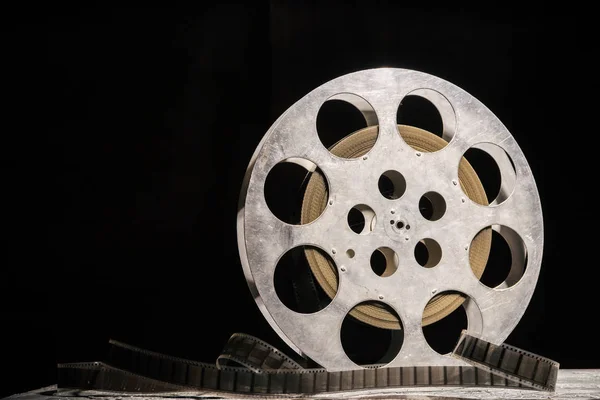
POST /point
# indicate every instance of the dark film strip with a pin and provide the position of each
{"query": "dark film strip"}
(509, 362)
(268, 371)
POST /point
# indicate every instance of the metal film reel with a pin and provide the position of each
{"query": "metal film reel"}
(406, 295)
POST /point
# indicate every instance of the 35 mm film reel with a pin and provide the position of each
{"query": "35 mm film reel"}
(408, 189)
(419, 165)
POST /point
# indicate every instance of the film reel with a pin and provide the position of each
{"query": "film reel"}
(347, 176)
(409, 188)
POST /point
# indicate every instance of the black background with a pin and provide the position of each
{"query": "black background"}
(129, 131)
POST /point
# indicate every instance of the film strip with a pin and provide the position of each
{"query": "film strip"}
(265, 370)
(503, 360)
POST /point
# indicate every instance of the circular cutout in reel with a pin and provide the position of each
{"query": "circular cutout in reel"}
(408, 189)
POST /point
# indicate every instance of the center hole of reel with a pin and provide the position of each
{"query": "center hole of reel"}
(400, 225)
